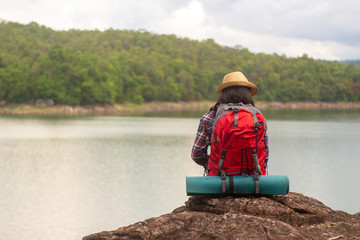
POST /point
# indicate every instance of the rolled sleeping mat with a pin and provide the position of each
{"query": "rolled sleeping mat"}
(269, 185)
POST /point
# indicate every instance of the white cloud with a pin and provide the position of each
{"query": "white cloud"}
(323, 20)
(325, 29)
(192, 21)
(193, 13)
(187, 21)
(291, 47)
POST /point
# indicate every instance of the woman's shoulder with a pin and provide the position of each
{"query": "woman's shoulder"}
(208, 117)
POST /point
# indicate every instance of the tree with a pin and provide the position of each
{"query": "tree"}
(113, 66)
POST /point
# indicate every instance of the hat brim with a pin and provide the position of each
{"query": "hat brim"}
(239, 83)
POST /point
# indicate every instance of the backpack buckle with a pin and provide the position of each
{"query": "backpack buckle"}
(256, 126)
(223, 181)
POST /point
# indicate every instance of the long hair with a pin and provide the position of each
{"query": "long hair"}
(235, 94)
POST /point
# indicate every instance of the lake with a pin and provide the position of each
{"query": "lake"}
(67, 177)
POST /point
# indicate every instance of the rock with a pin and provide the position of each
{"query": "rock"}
(293, 216)
(50, 102)
(40, 103)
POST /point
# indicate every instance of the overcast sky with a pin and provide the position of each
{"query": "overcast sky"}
(323, 29)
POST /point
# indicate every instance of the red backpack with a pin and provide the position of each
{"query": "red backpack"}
(238, 142)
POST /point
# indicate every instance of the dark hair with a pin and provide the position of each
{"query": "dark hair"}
(235, 94)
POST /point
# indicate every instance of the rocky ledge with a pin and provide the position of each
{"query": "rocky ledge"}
(293, 216)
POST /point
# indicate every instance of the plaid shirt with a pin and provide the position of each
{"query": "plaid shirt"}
(203, 139)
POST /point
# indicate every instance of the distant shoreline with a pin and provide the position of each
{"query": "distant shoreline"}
(129, 108)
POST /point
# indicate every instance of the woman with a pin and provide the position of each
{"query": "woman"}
(235, 90)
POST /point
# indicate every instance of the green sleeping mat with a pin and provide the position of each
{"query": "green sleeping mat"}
(268, 185)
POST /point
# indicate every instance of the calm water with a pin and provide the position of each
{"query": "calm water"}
(67, 177)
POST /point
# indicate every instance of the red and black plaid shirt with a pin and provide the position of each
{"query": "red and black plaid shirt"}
(203, 139)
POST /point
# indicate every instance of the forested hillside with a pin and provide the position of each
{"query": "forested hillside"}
(114, 66)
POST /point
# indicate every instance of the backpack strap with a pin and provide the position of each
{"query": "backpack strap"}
(257, 172)
(221, 172)
(231, 184)
(236, 118)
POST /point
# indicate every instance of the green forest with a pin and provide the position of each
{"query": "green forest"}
(81, 67)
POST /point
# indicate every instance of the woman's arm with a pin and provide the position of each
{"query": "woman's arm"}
(202, 140)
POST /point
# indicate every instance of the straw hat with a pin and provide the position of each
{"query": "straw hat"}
(237, 79)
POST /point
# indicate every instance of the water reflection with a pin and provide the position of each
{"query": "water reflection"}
(89, 174)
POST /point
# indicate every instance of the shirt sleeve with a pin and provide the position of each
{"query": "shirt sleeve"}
(266, 141)
(202, 140)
